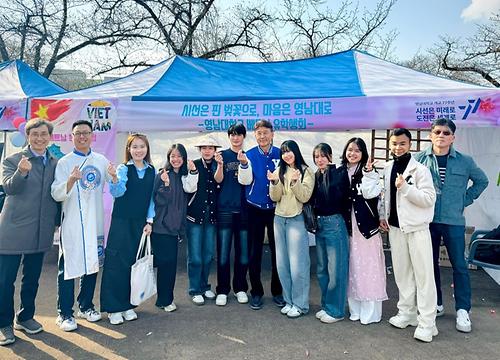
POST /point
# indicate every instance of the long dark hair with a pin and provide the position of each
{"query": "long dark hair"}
(290, 145)
(182, 150)
(364, 153)
(325, 150)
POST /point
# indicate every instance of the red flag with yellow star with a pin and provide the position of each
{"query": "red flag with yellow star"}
(49, 110)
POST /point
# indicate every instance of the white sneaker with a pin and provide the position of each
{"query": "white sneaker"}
(463, 321)
(242, 297)
(320, 314)
(129, 315)
(285, 309)
(170, 308)
(327, 319)
(66, 323)
(294, 312)
(198, 299)
(354, 317)
(221, 300)
(91, 315)
(115, 318)
(439, 310)
(402, 321)
(210, 295)
(425, 334)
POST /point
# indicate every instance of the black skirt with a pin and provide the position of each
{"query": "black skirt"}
(121, 249)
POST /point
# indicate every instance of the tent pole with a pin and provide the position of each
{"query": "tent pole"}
(4, 148)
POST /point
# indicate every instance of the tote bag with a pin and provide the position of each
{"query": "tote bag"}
(142, 279)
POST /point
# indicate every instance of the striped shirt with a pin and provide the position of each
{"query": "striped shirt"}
(442, 160)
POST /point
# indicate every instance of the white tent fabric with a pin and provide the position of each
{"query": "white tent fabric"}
(380, 77)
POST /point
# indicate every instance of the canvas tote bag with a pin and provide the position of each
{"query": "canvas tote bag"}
(142, 279)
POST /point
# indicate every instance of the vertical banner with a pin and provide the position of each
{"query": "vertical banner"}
(63, 113)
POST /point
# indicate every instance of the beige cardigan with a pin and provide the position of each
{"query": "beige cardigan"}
(289, 199)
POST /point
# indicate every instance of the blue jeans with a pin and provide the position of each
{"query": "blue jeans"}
(332, 248)
(454, 239)
(9, 266)
(66, 291)
(292, 260)
(225, 233)
(200, 253)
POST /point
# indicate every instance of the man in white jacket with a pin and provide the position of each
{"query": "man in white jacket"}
(78, 184)
(407, 210)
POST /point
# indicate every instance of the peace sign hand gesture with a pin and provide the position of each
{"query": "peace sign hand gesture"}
(370, 164)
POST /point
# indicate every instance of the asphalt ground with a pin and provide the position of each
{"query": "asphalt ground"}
(238, 332)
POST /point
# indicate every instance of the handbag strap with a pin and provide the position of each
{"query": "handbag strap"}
(145, 243)
(148, 245)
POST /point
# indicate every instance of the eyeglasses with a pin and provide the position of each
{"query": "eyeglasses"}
(39, 135)
(439, 132)
(83, 133)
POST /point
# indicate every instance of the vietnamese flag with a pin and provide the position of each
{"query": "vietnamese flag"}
(49, 110)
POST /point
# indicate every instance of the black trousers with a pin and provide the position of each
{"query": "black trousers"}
(258, 221)
(232, 226)
(66, 291)
(9, 266)
(165, 248)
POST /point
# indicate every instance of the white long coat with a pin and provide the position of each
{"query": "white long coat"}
(82, 211)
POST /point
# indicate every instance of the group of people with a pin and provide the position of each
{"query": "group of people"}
(232, 198)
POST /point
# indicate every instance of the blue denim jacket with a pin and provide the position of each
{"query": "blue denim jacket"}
(455, 194)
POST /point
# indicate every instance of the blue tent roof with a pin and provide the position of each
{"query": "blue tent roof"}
(200, 79)
(346, 74)
(18, 80)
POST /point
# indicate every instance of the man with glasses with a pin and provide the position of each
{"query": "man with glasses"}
(451, 172)
(27, 224)
(79, 183)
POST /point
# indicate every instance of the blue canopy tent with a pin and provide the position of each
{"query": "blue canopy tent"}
(346, 90)
(18, 83)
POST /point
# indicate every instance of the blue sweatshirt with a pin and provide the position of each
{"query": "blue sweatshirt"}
(257, 193)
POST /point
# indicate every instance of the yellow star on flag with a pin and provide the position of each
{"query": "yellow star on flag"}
(42, 112)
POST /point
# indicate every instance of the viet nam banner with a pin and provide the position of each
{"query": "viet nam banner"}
(63, 113)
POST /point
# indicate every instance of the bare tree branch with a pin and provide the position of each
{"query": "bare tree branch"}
(486, 75)
(319, 30)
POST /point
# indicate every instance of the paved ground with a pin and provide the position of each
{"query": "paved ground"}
(237, 332)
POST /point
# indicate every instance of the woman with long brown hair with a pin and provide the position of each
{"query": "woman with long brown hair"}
(132, 215)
